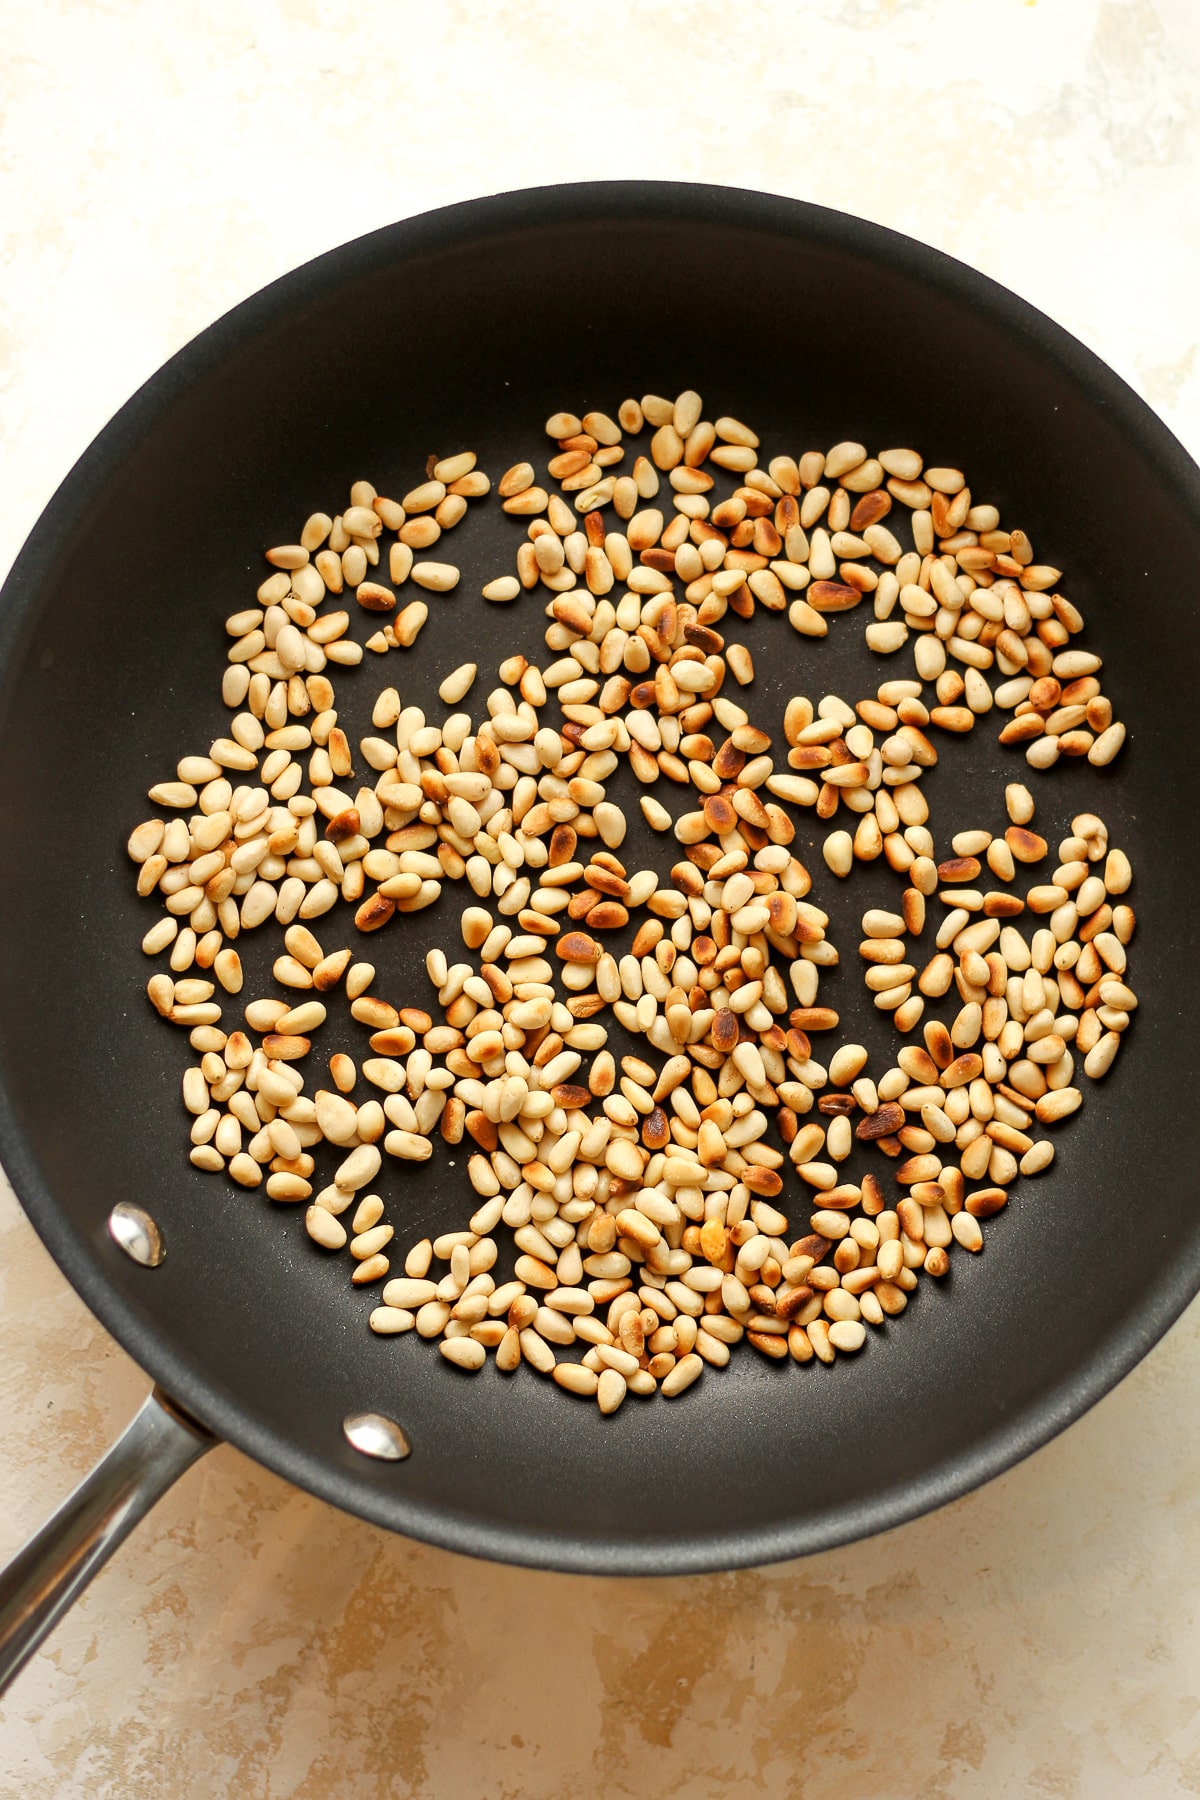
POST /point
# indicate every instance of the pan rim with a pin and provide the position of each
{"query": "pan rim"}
(444, 229)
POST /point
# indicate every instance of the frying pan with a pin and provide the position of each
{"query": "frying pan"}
(467, 327)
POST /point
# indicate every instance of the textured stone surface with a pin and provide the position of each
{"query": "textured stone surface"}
(1040, 1637)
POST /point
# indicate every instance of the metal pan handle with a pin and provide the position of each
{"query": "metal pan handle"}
(51, 1571)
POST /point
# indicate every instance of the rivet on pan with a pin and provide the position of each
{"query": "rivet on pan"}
(137, 1234)
(374, 1435)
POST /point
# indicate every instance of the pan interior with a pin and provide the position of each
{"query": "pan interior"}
(466, 329)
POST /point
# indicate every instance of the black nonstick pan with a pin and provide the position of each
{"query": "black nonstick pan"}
(466, 328)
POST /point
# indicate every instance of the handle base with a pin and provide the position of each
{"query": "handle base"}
(48, 1574)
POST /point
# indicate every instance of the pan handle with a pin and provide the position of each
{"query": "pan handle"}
(53, 1568)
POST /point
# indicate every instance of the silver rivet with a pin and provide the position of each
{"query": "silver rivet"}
(137, 1234)
(371, 1434)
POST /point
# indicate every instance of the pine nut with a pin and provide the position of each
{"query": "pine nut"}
(611, 1389)
(687, 1370)
(724, 972)
(391, 1321)
(455, 686)
(324, 1228)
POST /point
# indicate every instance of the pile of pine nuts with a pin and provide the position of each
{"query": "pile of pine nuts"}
(645, 1200)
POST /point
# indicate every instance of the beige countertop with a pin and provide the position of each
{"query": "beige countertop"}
(1041, 1637)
